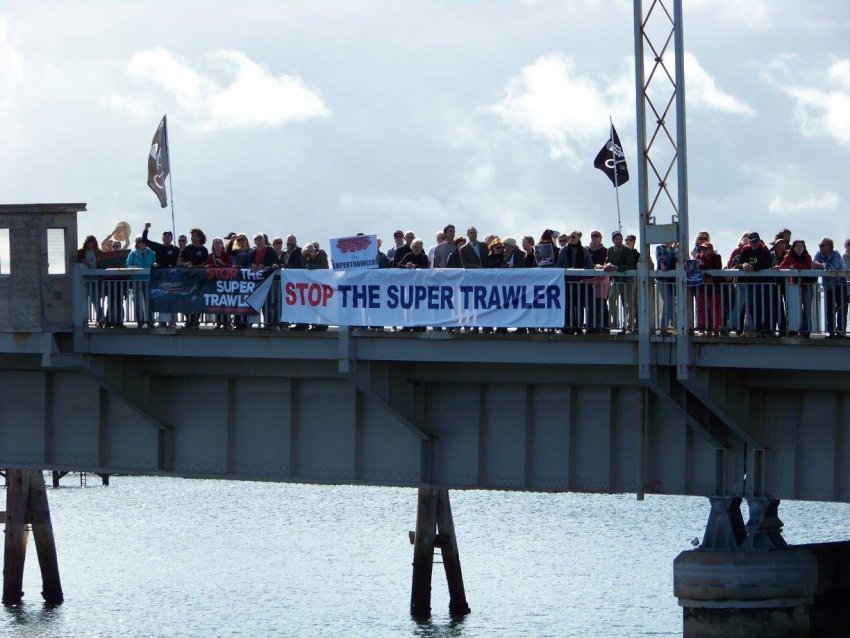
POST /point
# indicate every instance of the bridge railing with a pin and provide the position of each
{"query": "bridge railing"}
(729, 302)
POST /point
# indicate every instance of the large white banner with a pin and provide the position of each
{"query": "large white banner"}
(525, 297)
(354, 253)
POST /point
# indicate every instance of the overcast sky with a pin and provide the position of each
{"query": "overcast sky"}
(329, 118)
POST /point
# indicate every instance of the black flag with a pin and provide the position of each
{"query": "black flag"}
(611, 156)
(158, 167)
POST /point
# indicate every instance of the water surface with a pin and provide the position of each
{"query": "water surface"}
(173, 557)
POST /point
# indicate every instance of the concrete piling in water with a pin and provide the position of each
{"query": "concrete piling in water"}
(758, 586)
(26, 504)
(433, 515)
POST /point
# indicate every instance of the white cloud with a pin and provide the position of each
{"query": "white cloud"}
(701, 91)
(754, 15)
(407, 207)
(139, 107)
(839, 73)
(809, 204)
(554, 102)
(228, 90)
(11, 66)
(822, 112)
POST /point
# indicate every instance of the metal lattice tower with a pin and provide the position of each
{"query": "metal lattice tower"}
(660, 111)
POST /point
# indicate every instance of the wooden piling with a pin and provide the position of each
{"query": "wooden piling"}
(26, 502)
(16, 536)
(45, 544)
(423, 553)
(451, 557)
(433, 515)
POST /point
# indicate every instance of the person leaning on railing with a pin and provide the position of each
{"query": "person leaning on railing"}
(621, 259)
(666, 256)
(754, 257)
(799, 291)
(779, 248)
(709, 317)
(140, 257)
(834, 288)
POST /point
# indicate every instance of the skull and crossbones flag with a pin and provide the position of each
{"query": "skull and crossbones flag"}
(611, 160)
(158, 166)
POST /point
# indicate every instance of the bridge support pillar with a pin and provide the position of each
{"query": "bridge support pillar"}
(725, 528)
(761, 586)
(26, 504)
(435, 528)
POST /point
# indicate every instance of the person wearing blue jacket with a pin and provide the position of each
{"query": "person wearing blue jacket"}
(827, 258)
(140, 257)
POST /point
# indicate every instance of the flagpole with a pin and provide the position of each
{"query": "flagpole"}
(170, 187)
(616, 189)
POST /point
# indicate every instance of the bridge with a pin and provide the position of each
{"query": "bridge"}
(728, 418)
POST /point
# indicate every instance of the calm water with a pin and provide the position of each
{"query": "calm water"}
(171, 557)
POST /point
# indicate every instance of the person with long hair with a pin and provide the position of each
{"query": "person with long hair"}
(218, 258)
(90, 254)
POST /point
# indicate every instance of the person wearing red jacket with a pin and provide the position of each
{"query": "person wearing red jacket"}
(709, 316)
(799, 293)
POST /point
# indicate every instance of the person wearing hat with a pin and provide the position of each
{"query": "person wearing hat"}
(514, 257)
(621, 259)
(398, 238)
(496, 253)
(754, 257)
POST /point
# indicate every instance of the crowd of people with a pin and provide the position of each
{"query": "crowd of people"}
(746, 306)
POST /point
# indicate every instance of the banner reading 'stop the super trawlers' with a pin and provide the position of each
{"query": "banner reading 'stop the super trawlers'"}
(525, 297)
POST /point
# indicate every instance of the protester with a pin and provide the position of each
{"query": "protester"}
(291, 256)
(474, 253)
(754, 257)
(621, 259)
(416, 258)
(666, 257)
(403, 250)
(90, 254)
(799, 291)
(709, 315)
(444, 250)
(573, 256)
(834, 288)
(166, 252)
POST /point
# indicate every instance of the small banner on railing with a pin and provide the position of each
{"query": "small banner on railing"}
(354, 253)
(503, 298)
(693, 275)
(204, 290)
